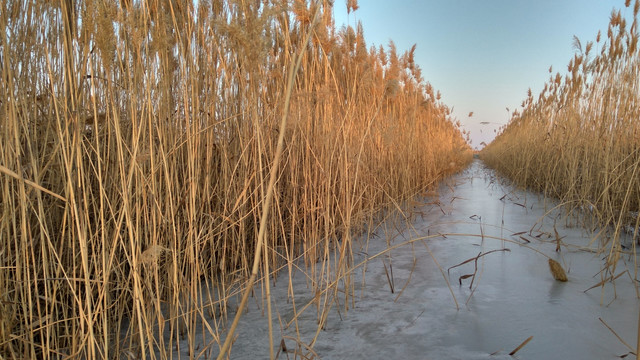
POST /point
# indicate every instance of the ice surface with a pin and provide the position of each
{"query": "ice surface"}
(514, 295)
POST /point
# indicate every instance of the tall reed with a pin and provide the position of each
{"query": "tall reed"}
(579, 140)
(137, 139)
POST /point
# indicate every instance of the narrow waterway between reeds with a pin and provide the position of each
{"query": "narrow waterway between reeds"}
(405, 309)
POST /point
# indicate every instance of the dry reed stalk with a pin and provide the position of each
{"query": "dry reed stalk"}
(514, 351)
(631, 350)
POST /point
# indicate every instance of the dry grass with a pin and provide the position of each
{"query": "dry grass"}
(137, 143)
(579, 141)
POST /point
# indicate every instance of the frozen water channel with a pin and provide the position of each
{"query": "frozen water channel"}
(513, 297)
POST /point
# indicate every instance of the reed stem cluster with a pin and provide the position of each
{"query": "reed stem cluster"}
(136, 145)
(579, 141)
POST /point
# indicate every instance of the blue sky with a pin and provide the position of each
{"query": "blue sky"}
(483, 55)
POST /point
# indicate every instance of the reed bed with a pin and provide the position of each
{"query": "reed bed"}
(138, 139)
(579, 141)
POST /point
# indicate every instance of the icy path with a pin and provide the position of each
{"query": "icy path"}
(514, 295)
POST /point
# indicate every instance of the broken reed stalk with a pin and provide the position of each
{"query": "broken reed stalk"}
(632, 350)
(390, 279)
(609, 279)
(475, 260)
(30, 183)
(514, 351)
(413, 267)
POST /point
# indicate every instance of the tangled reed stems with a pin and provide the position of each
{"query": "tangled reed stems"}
(137, 143)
